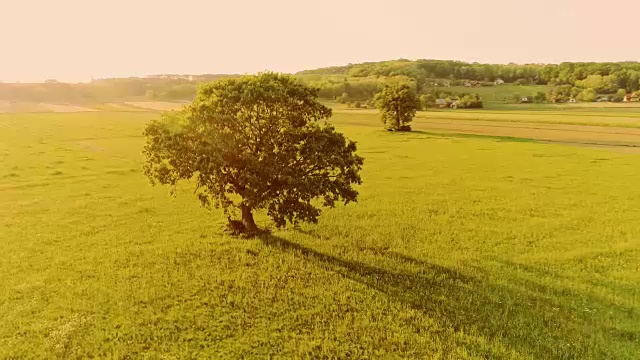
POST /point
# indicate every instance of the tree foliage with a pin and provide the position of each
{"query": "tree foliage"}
(588, 95)
(398, 105)
(256, 142)
(469, 102)
(540, 97)
(163, 87)
(427, 101)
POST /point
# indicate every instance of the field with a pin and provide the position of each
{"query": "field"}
(481, 235)
(496, 94)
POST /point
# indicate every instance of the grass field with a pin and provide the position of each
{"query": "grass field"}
(495, 95)
(468, 242)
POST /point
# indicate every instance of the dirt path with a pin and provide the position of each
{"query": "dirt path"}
(157, 105)
(66, 108)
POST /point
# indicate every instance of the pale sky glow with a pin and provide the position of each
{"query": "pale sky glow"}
(73, 40)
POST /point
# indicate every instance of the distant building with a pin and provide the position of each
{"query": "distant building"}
(602, 99)
(498, 81)
(572, 100)
(631, 98)
(524, 100)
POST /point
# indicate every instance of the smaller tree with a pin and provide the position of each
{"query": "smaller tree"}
(540, 97)
(398, 105)
(427, 101)
(619, 96)
(575, 91)
(469, 102)
(588, 95)
(371, 103)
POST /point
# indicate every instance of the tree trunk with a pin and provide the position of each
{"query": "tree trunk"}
(247, 219)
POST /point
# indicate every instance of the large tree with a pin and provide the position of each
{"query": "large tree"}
(398, 104)
(256, 142)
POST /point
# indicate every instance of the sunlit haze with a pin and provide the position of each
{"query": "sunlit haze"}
(74, 40)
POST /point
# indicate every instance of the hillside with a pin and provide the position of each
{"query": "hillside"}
(360, 82)
(627, 74)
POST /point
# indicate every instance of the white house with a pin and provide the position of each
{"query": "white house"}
(498, 81)
(524, 99)
(631, 98)
(572, 100)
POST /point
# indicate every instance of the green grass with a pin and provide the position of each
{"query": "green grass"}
(491, 94)
(461, 247)
(541, 114)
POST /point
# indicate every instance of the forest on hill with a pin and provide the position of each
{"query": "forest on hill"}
(625, 75)
(566, 80)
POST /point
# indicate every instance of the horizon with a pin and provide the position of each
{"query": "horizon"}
(40, 81)
(69, 43)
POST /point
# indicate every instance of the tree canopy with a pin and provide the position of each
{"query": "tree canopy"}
(623, 74)
(398, 105)
(256, 142)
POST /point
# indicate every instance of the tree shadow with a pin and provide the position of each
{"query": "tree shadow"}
(504, 138)
(475, 136)
(309, 233)
(521, 315)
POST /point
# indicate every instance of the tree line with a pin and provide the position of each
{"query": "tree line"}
(160, 87)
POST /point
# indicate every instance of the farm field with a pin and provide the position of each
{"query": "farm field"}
(482, 234)
(496, 94)
(576, 126)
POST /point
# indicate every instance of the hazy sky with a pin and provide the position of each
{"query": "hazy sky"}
(72, 40)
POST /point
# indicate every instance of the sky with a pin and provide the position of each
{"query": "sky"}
(75, 40)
